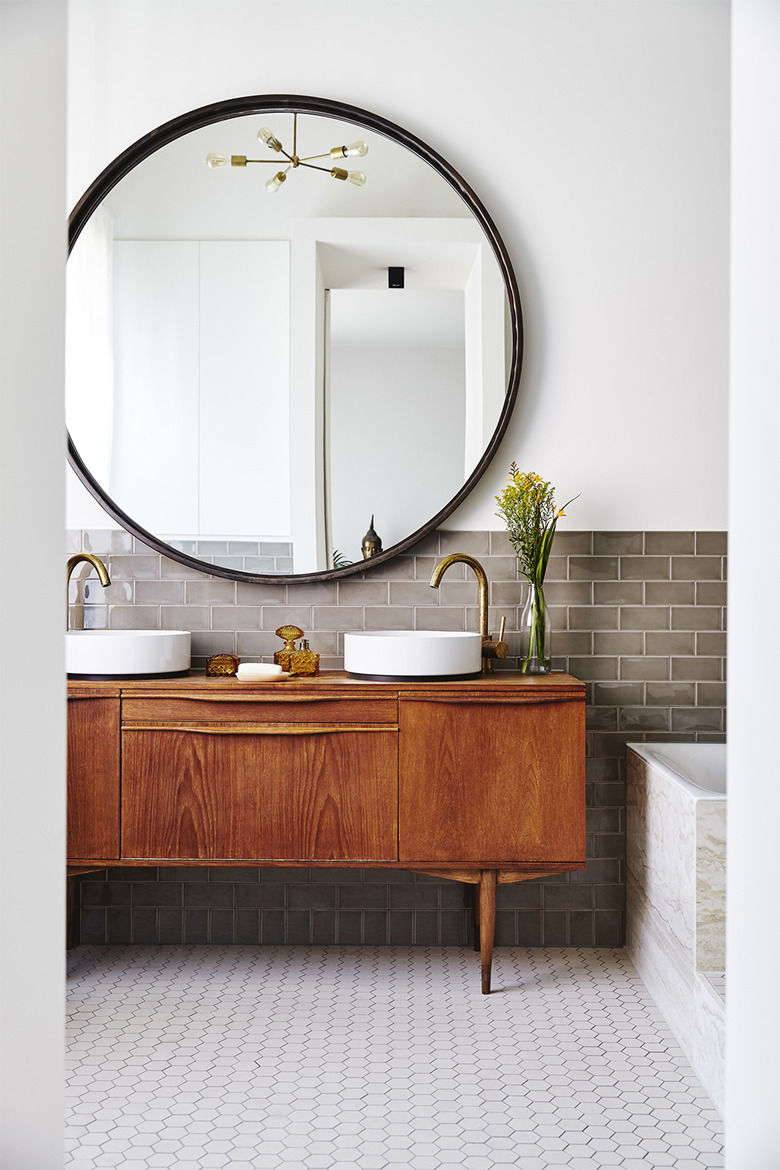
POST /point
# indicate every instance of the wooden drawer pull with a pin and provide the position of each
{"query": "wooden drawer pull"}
(261, 728)
(488, 701)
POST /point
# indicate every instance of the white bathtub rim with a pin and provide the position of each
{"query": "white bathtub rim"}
(678, 762)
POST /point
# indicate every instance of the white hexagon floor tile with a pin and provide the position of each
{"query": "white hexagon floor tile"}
(370, 1058)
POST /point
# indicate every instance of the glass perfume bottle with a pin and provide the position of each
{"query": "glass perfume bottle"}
(304, 662)
(288, 634)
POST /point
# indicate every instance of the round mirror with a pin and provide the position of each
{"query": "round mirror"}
(298, 354)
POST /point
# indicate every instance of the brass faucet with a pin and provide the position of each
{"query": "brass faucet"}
(99, 567)
(490, 649)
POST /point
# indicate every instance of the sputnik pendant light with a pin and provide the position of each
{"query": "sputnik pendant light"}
(354, 150)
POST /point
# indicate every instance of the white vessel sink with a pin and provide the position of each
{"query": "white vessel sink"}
(412, 655)
(105, 654)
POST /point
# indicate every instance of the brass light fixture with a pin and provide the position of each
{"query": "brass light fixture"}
(354, 150)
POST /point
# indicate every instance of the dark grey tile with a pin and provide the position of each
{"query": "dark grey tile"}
(569, 543)
(313, 896)
(647, 668)
(456, 895)
(222, 925)
(529, 928)
(669, 543)
(618, 693)
(554, 928)
(697, 617)
(710, 694)
(568, 592)
(711, 643)
(248, 927)
(218, 894)
(196, 926)
(697, 670)
(601, 718)
(670, 592)
(228, 873)
(593, 669)
(711, 593)
(697, 568)
(414, 897)
(644, 617)
(572, 644)
(697, 719)
(618, 543)
(390, 876)
(644, 719)
(144, 926)
(349, 927)
(376, 926)
(623, 642)
(298, 926)
(158, 894)
(400, 929)
(454, 928)
(281, 876)
(644, 568)
(667, 694)
(105, 893)
(119, 925)
(519, 896)
(368, 896)
(272, 926)
(610, 845)
(332, 874)
(609, 897)
(593, 568)
(603, 820)
(260, 897)
(477, 544)
(567, 897)
(426, 928)
(93, 926)
(667, 643)
(608, 930)
(593, 617)
(712, 543)
(323, 927)
(618, 592)
(170, 926)
(581, 928)
(506, 928)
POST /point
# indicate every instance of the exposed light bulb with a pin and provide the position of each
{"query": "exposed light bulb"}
(265, 135)
(275, 183)
(356, 177)
(354, 150)
(217, 160)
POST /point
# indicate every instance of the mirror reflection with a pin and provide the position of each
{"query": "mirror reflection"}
(269, 373)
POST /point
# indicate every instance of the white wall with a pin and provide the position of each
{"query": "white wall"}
(32, 583)
(753, 943)
(595, 131)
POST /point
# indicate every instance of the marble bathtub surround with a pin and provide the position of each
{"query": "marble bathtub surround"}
(676, 868)
(638, 616)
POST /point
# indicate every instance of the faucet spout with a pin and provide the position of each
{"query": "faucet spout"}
(97, 565)
(482, 583)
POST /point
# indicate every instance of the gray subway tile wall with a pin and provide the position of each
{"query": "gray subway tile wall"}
(640, 617)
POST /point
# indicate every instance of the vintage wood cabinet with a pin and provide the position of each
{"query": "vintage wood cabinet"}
(480, 781)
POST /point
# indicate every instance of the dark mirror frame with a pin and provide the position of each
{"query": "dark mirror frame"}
(289, 103)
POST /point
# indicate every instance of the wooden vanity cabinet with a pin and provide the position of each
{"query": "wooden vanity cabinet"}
(481, 781)
(304, 779)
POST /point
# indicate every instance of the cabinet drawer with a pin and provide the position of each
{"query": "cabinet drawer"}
(287, 708)
(303, 796)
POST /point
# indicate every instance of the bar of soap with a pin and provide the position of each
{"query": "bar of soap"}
(258, 671)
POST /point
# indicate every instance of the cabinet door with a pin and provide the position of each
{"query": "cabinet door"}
(482, 781)
(267, 793)
(93, 778)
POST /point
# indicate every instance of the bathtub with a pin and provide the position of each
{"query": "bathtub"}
(676, 890)
(700, 768)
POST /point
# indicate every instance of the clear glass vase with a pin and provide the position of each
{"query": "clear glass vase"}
(535, 656)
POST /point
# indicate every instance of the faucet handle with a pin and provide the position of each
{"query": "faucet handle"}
(491, 649)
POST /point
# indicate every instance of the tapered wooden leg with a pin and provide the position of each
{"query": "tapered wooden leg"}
(487, 923)
(475, 904)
